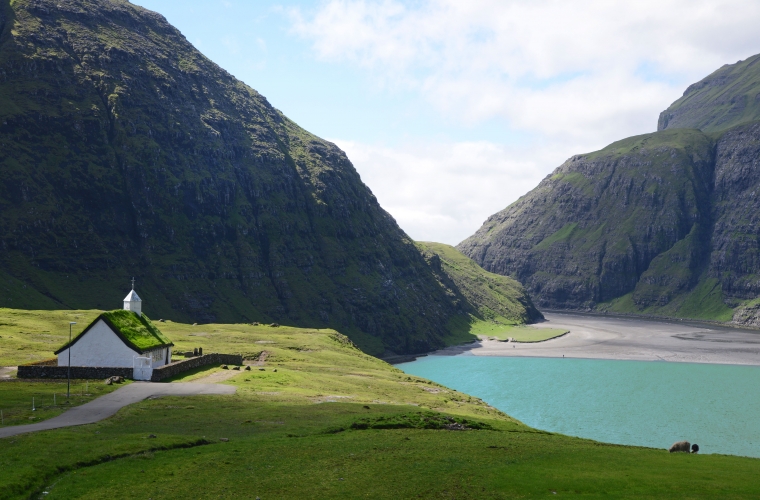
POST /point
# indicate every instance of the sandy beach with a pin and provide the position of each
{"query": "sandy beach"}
(609, 337)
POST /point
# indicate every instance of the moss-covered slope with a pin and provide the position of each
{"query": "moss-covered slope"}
(484, 296)
(125, 152)
(320, 419)
(728, 97)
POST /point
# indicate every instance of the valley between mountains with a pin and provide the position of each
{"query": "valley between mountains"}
(125, 152)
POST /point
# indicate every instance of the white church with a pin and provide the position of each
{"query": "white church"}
(123, 338)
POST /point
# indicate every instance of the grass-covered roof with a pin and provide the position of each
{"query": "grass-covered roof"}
(138, 332)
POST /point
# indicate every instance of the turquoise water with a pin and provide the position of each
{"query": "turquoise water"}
(624, 402)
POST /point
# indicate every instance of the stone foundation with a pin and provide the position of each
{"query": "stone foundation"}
(80, 372)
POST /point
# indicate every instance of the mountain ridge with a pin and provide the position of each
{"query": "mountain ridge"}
(126, 152)
(662, 223)
(728, 97)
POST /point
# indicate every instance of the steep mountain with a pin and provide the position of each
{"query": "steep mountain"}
(125, 152)
(664, 223)
(482, 296)
(728, 97)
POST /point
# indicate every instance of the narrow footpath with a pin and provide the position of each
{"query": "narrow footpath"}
(108, 405)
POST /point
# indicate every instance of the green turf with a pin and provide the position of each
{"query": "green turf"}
(49, 398)
(138, 329)
(332, 422)
(409, 463)
(522, 333)
(29, 336)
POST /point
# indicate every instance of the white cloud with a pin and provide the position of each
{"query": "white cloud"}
(572, 75)
(547, 66)
(443, 192)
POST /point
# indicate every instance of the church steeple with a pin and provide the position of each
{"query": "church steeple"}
(132, 301)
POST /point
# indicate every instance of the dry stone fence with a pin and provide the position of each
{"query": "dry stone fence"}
(46, 369)
(172, 369)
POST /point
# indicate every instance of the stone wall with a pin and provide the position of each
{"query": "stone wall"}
(172, 369)
(80, 372)
(103, 372)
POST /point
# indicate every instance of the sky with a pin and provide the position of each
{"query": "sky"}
(451, 110)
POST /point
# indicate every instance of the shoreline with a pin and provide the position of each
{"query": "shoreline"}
(536, 341)
(624, 338)
(653, 317)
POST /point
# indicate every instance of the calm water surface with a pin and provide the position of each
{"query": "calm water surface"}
(624, 402)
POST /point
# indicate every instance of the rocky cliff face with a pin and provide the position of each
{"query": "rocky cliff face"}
(735, 244)
(665, 223)
(124, 151)
(591, 230)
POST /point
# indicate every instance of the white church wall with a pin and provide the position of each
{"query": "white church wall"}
(158, 357)
(100, 346)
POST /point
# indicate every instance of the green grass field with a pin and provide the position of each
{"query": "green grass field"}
(49, 398)
(333, 422)
(27, 336)
(520, 333)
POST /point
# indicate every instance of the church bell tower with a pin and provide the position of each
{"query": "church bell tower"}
(132, 301)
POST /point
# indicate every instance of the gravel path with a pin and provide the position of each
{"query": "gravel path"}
(107, 405)
(608, 337)
(215, 377)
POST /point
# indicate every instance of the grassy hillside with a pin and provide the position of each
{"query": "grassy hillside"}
(26, 402)
(722, 100)
(28, 336)
(332, 422)
(126, 152)
(705, 301)
(499, 302)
